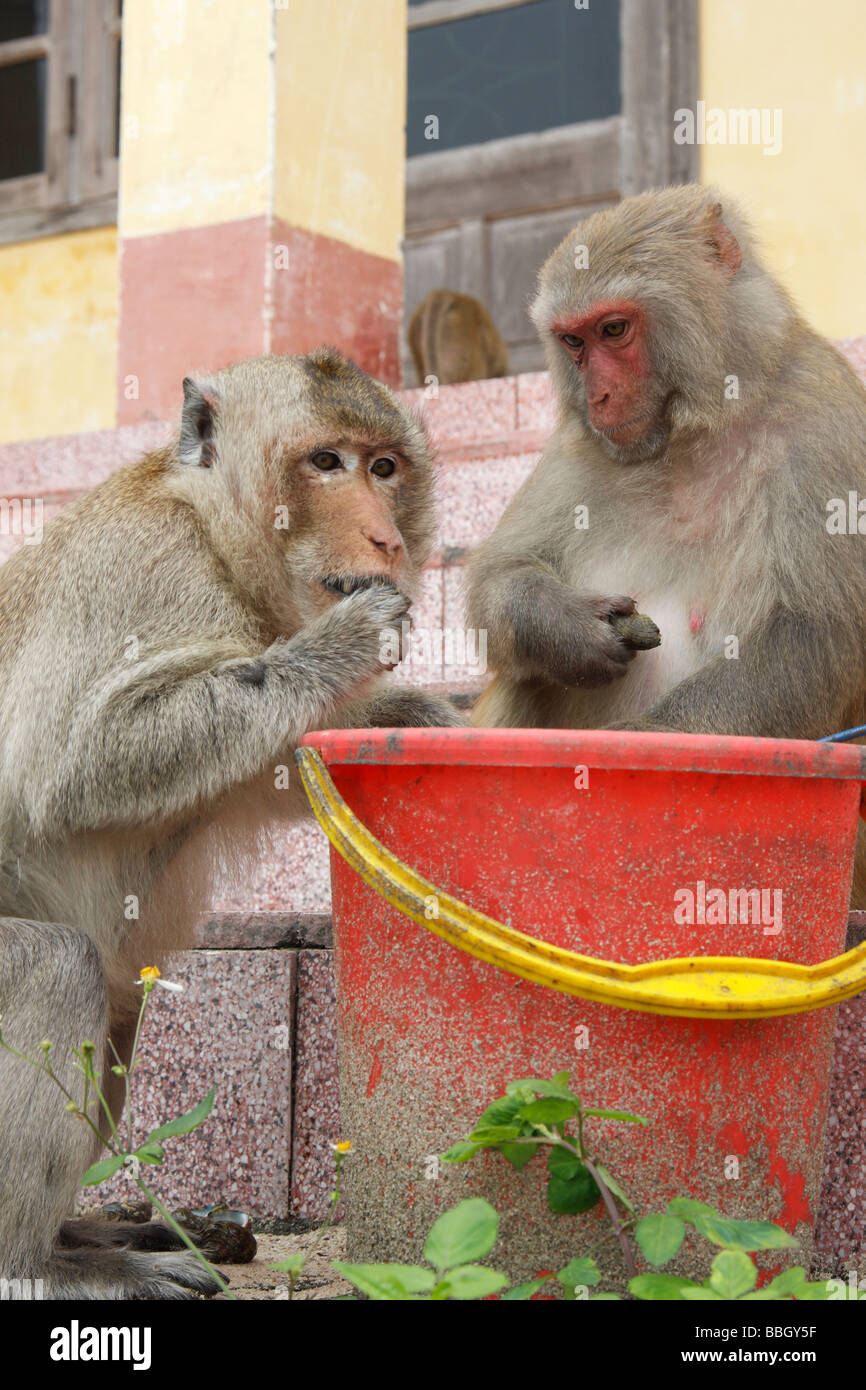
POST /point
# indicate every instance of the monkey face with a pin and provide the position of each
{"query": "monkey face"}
(312, 478)
(624, 404)
(644, 307)
(345, 504)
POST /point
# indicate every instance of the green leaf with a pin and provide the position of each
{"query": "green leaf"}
(733, 1274)
(617, 1115)
(687, 1208)
(550, 1111)
(579, 1271)
(465, 1233)
(387, 1282)
(564, 1163)
(659, 1236)
(518, 1155)
(150, 1153)
(698, 1294)
(184, 1123)
(610, 1182)
(98, 1172)
(556, 1086)
(742, 1235)
(501, 1111)
(573, 1195)
(292, 1265)
(523, 1292)
(470, 1281)
(786, 1283)
(732, 1235)
(487, 1135)
(656, 1288)
(815, 1293)
(460, 1152)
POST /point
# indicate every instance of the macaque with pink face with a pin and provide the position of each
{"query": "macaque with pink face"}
(703, 430)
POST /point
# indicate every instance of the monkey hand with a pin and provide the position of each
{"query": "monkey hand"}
(376, 618)
(582, 648)
(355, 640)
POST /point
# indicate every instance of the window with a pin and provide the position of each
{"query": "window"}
(544, 111)
(59, 115)
(500, 72)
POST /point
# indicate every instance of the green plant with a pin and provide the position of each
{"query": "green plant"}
(536, 1113)
(733, 1275)
(533, 1114)
(457, 1239)
(124, 1154)
(294, 1264)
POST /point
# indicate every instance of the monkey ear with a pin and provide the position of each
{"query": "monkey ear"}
(723, 245)
(197, 424)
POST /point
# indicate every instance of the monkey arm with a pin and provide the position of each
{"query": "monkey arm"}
(170, 735)
(786, 683)
(538, 628)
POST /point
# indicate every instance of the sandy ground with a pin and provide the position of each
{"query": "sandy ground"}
(318, 1280)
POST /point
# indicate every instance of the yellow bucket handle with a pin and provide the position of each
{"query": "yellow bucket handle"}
(690, 987)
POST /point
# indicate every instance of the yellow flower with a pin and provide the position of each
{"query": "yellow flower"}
(343, 1146)
(150, 975)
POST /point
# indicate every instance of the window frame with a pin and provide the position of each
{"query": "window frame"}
(78, 186)
(463, 193)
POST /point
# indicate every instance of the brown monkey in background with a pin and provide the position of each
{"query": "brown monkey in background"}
(453, 338)
(703, 430)
(175, 634)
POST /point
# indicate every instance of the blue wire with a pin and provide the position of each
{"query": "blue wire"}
(845, 735)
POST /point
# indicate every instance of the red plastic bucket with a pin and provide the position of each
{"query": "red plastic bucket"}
(617, 846)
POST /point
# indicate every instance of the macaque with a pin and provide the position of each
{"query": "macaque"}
(453, 338)
(175, 634)
(705, 437)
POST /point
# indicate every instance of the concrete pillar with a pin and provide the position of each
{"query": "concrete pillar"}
(261, 187)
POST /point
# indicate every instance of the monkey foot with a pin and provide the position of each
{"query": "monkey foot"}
(222, 1235)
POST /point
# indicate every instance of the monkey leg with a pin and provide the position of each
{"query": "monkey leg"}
(112, 1235)
(398, 707)
(52, 987)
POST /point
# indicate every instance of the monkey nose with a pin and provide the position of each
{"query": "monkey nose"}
(389, 546)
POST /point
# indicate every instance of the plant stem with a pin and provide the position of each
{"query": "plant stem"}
(335, 1198)
(608, 1199)
(108, 1115)
(130, 1066)
(46, 1069)
(202, 1259)
(548, 1136)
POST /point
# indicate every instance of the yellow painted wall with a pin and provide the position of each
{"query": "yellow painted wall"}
(58, 334)
(340, 119)
(195, 113)
(808, 203)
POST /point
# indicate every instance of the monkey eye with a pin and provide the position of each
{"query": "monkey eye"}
(615, 328)
(384, 467)
(325, 460)
(571, 340)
